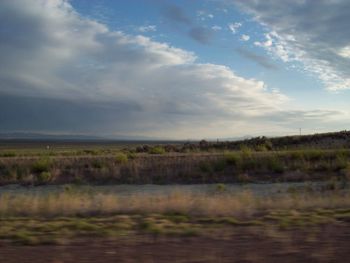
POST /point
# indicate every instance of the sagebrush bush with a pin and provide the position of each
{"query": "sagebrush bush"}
(97, 164)
(8, 154)
(275, 165)
(157, 150)
(220, 188)
(261, 148)
(233, 159)
(246, 151)
(41, 165)
(43, 177)
(121, 158)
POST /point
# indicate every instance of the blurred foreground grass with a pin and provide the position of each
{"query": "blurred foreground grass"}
(57, 218)
(71, 202)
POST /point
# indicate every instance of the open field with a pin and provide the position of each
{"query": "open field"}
(125, 167)
(107, 201)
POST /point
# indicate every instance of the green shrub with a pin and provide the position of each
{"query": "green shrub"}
(220, 188)
(246, 151)
(275, 165)
(341, 163)
(297, 155)
(233, 159)
(7, 173)
(261, 148)
(346, 172)
(8, 154)
(314, 155)
(42, 165)
(92, 152)
(249, 164)
(97, 164)
(157, 150)
(269, 145)
(131, 155)
(121, 158)
(44, 177)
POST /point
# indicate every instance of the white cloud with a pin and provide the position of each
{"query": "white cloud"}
(344, 52)
(204, 15)
(216, 28)
(143, 86)
(148, 28)
(245, 37)
(234, 27)
(315, 35)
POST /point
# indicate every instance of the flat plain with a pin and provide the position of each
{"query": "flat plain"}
(252, 201)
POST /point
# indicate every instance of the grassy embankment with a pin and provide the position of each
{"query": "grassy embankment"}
(167, 168)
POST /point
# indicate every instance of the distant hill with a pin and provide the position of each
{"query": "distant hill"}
(23, 136)
(43, 136)
(322, 141)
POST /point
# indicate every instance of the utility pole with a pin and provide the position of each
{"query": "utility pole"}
(299, 131)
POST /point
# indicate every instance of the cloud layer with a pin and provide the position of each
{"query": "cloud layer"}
(62, 72)
(314, 33)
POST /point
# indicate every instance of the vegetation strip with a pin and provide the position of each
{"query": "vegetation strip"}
(129, 168)
(61, 230)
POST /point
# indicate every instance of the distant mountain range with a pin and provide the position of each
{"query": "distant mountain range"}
(82, 137)
(43, 136)
(73, 137)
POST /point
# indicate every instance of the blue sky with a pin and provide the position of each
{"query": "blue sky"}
(175, 69)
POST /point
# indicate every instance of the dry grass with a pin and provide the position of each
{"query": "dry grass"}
(239, 205)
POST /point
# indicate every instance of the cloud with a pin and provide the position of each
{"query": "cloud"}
(258, 59)
(62, 72)
(201, 34)
(234, 27)
(216, 28)
(245, 37)
(176, 14)
(344, 52)
(27, 113)
(203, 15)
(148, 28)
(315, 34)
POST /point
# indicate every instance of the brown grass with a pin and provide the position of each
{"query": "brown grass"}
(239, 205)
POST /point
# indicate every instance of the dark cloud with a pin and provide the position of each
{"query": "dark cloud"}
(72, 74)
(263, 61)
(81, 76)
(18, 113)
(201, 34)
(176, 14)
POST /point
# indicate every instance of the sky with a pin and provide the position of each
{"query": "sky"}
(180, 69)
